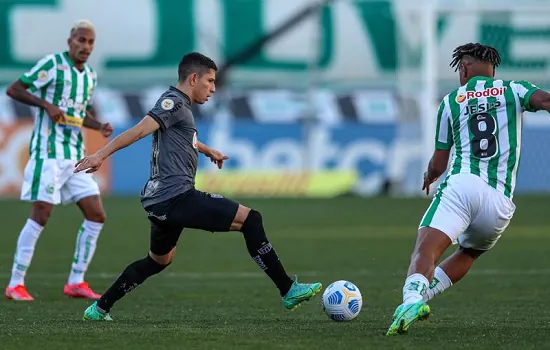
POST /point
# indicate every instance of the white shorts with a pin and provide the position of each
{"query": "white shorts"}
(53, 181)
(469, 211)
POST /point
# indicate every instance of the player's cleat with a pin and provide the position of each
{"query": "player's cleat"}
(397, 312)
(80, 290)
(300, 292)
(405, 315)
(18, 293)
(93, 314)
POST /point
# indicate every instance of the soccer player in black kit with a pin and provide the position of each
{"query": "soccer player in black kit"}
(170, 199)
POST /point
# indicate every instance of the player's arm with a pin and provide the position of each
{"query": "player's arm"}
(540, 101)
(19, 92)
(91, 122)
(39, 77)
(436, 167)
(93, 162)
(215, 156)
(531, 97)
(443, 144)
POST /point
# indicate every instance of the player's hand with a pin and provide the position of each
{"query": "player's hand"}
(217, 157)
(106, 130)
(55, 113)
(90, 163)
(427, 183)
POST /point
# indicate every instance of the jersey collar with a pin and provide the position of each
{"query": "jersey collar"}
(179, 92)
(479, 77)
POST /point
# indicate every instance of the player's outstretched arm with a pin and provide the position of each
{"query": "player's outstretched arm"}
(93, 162)
(540, 100)
(215, 156)
(436, 168)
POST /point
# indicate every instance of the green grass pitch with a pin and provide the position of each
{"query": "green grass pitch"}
(214, 297)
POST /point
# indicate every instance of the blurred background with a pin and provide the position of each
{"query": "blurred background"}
(332, 102)
(315, 98)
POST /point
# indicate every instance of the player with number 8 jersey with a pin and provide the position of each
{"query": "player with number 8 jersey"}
(480, 123)
(482, 119)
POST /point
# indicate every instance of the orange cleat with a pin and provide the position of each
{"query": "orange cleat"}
(18, 292)
(80, 290)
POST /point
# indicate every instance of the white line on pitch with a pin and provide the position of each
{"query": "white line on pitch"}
(251, 275)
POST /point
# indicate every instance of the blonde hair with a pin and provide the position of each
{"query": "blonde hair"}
(82, 24)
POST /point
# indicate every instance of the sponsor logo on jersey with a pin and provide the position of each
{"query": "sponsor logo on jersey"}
(489, 92)
(460, 98)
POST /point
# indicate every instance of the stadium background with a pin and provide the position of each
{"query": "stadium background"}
(334, 102)
(341, 90)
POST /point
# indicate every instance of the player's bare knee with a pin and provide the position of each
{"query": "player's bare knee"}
(92, 208)
(473, 253)
(97, 216)
(240, 217)
(163, 260)
(41, 212)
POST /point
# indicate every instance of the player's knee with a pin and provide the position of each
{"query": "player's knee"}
(473, 253)
(165, 259)
(98, 215)
(253, 223)
(41, 212)
(156, 265)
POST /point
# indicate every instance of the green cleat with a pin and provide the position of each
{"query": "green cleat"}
(397, 312)
(405, 315)
(300, 292)
(93, 314)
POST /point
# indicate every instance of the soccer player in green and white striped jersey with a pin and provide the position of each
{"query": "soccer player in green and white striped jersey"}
(61, 86)
(481, 123)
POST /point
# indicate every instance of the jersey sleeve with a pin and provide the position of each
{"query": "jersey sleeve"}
(92, 95)
(443, 131)
(167, 111)
(41, 75)
(524, 89)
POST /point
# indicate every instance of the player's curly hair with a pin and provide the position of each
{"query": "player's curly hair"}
(478, 51)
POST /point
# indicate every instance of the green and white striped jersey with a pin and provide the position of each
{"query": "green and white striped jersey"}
(482, 120)
(55, 79)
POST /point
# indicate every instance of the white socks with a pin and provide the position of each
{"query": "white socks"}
(415, 286)
(24, 252)
(440, 282)
(86, 242)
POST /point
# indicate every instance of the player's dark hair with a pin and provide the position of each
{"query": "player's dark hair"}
(477, 51)
(195, 62)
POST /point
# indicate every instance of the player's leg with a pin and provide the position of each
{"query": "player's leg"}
(488, 224)
(82, 189)
(452, 270)
(489, 221)
(218, 214)
(164, 237)
(41, 188)
(446, 218)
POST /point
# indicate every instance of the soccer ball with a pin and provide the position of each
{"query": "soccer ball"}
(342, 301)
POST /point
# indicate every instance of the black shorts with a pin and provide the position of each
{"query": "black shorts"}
(192, 209)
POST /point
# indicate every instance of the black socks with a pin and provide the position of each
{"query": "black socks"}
(262, 252)
(133, 276)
